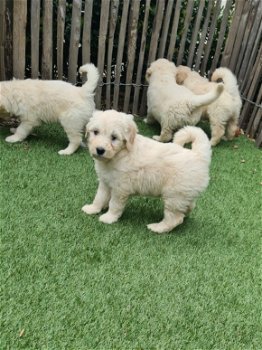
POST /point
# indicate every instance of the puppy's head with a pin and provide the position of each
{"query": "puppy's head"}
(109, 133)
(161, 65)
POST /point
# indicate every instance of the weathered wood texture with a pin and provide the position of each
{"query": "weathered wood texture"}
(51, 39)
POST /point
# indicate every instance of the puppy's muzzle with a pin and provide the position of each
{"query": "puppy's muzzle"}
(100, 151)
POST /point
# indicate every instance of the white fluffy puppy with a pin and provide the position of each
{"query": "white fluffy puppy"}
(223, 113)
(128, 164)
(173, 105)
(36, 101)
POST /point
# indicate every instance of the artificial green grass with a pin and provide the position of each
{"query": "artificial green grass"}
(71, 282)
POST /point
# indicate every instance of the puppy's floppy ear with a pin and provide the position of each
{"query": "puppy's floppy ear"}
(148, 74)
(130, 131)
(181, 77)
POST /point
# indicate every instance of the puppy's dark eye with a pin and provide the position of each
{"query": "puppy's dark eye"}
(113, 137)
(96, 132)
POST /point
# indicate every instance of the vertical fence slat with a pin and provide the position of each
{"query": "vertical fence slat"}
(47, 53)
(2, 39)
(19, 38)
(153, 45)
(210, 36)
(193, 39)
(102, 45)
(189, 10)
(172, 43)
(203, 34)
(162, 45)
(61, 14)
(74, 40)
(112, 28)
(35, 27)
(86, 39)
(254, 40)
(221, 34)
(121, 44)
(253, 122)
(131, 50)
(232, 34)
(141, 58)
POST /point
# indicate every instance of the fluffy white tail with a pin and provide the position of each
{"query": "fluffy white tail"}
(196, 136)
(92, 77)
(228, 78)
(206, 99)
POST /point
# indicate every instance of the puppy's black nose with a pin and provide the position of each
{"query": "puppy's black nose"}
(100, 151)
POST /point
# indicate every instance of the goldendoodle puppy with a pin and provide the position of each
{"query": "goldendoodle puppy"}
(224, 112)
(173, 105)
(36, 101)
(128, 164)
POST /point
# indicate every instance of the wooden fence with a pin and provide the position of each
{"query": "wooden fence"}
(50, 39)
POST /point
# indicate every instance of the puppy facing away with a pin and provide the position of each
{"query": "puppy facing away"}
(173, 105)
(130, 164)
(224, 112)
(36, 101)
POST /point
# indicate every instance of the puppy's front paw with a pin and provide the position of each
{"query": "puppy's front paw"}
(12, 139)
(65, 152)
(156, 137)
(158, 228)
(90, 209)
(108, 218)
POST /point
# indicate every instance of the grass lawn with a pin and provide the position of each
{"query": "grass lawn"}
(71, 282)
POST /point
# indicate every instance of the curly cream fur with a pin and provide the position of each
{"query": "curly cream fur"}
(37, 101)
(223, 113)
(173, 105)
(128, 164)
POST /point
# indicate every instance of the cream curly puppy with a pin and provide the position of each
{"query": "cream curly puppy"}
(170, 104)
(37, 101)
(223, 113)
(129, 164)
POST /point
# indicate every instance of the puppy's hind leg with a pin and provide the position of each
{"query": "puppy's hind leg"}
(21, 132)
(75, 140)
(172, 218)
(165, 136)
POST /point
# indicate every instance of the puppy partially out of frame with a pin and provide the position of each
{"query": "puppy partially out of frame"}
(36, 101)
(130, 164)
(223, 113)
(170, 104)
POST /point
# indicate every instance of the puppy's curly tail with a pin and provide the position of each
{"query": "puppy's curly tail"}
(200, 142)
(229, 79)
(92, 77)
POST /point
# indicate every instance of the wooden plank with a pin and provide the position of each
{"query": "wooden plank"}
(141, 58)
(258, 57)
(61, 15)
(163, 39)
(35, 31)
(188, 18)
(251, 26)
(135, 6)
(8, 43)
(259, 137)
(172, 43)
(203, 34)
(240, 34)
(19, 38)
(112, 28)
(254, 120)
(221, 35)
(253, 41)
(47, 52)
(232, 35)
(121, 44)
(86, 39)
(153, 45)
(2, 39)
(210, 37)
(74, 40)
(195, 33)
(102, 45)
